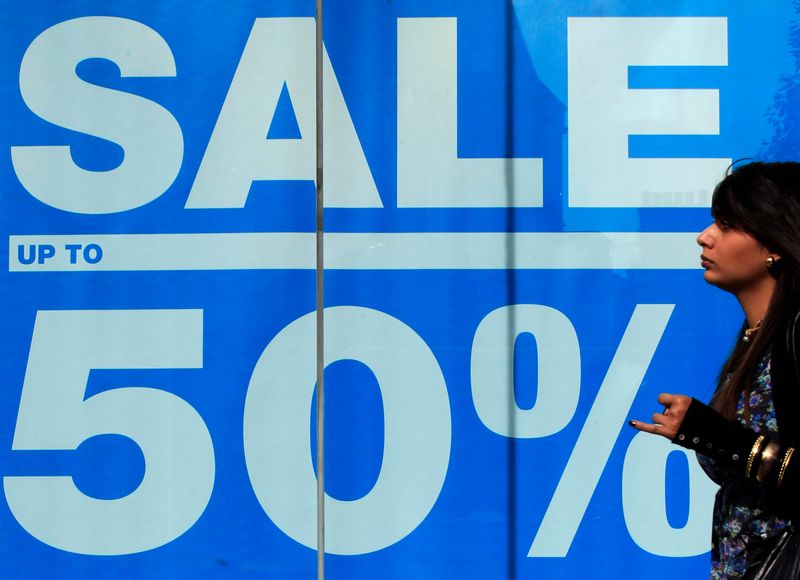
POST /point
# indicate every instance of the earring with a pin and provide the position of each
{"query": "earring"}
(770, 262)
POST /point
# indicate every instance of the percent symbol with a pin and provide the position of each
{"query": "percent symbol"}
(600, 431)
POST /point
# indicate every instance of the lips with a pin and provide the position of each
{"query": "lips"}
(705, 262)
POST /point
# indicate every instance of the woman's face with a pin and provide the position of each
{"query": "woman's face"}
(733, 259)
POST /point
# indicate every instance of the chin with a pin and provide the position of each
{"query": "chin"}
(709, 277)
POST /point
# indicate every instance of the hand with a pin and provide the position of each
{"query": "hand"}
(669, 420)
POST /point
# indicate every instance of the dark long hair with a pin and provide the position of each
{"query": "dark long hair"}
(762, 199)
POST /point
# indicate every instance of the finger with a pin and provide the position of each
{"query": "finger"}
(646, 427)
(666, 399)
(660, 418)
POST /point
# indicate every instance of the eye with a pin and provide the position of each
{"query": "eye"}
(724, 224)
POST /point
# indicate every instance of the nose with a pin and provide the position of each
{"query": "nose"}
(706, 237)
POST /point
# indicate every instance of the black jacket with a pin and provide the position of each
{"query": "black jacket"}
(707, 432)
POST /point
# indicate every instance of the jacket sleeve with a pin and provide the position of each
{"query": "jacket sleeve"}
(707, 432)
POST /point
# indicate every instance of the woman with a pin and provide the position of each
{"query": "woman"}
(746, 438)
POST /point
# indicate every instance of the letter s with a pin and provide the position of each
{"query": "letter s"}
(147, 132)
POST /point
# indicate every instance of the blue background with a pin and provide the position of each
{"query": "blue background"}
(511, 103)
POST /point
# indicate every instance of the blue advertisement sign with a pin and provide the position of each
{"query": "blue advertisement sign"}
(512, 194)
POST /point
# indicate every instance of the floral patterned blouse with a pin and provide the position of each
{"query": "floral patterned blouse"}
(746, 522)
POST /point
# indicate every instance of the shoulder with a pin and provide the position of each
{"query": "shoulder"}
(792, 336)
(785, 374)
(786, 347)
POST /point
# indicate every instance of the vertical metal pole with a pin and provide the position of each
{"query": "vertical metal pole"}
(320, 311)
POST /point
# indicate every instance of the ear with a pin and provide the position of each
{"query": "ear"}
(771, 253)
(772, 260)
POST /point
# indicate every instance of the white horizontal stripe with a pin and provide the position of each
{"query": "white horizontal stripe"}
(367, 251)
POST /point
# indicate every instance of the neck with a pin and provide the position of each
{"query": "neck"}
(755, 301)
